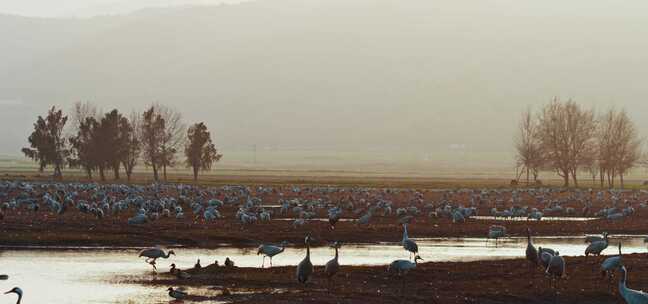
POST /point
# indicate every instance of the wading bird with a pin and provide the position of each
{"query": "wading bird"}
(402, 267)
(496, 232)
(152, 254)
(595, 248)
(270, 251)
(305, 267)
(631, 296)
(333, 265)
(409, 244)
(17, 291)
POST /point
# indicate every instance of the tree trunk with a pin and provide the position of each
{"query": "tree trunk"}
(527, 172)
(116, 171)
(89, 172)
(565, 177)
(621, 180)
(575, 178)
(195, 172)
(102, 176)
(155, 172)
(164, 166)
(602, 177)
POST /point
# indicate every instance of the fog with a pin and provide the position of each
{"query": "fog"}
(406, 80)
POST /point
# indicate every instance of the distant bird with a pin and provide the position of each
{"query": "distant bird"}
(402, 267)
(179, 273)
(409, 244)
(305, 267)
(17, 291)
(152, 254)
(177, 293)
(270, 251)
(198, 266)
(4, 277)
(597, 247)
(531, 251)
(631, 296)
(496, 232)
(333, 265)
(610, 265)
(556, 268)
(334, 215)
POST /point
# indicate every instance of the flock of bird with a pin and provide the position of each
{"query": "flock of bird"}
(142, 205)
(554, 266)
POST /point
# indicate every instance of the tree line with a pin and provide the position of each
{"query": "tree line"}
(567, 138)
(96, 143)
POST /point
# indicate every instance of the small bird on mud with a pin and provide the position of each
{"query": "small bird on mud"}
(179, 273)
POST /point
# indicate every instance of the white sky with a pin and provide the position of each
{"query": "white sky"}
(88, 8)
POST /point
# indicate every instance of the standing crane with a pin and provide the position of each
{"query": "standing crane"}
(610, 265)
(409, 244)
(333, 265)
(531, 251)
(270, 251)
(305, 267)
(152, 254)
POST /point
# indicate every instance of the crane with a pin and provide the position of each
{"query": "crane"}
(305, 267)
(270, 251)
(409, 244)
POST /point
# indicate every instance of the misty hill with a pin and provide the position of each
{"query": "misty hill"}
(418, 75)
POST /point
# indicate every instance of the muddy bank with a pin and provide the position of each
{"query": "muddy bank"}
(506, 281)
(81, 230)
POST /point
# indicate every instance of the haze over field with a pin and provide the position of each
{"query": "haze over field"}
(396, 80)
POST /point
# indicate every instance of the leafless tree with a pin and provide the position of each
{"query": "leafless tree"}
(173, 139)
(566, 133)
(529, 151)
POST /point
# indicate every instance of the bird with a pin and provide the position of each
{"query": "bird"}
(305, 267)
(531, 251)
(593, 238)
(4, 277)
(496, 232)
(544, 256)
(270, 251)
(179, 273)
(595, 248)
(402, 267)
(152, 254)
(631, 296)
(609, 265)
(177, 293)
(198, 266)
(556, 268)
(409, 244)
(333, 265)
(17, 291)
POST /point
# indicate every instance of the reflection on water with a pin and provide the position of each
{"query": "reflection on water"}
(84, 275)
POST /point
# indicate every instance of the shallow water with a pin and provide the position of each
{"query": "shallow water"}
(76, 275)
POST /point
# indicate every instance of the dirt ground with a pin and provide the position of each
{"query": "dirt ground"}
(505, 281)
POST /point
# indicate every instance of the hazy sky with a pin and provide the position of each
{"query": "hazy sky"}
(437, 78)
(87, 8)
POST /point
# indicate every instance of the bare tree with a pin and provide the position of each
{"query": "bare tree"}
(627, 145)
(131, 132)
(528, 148)
(152, 132)
(566, 133)
(173, 139)
(81, 111)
